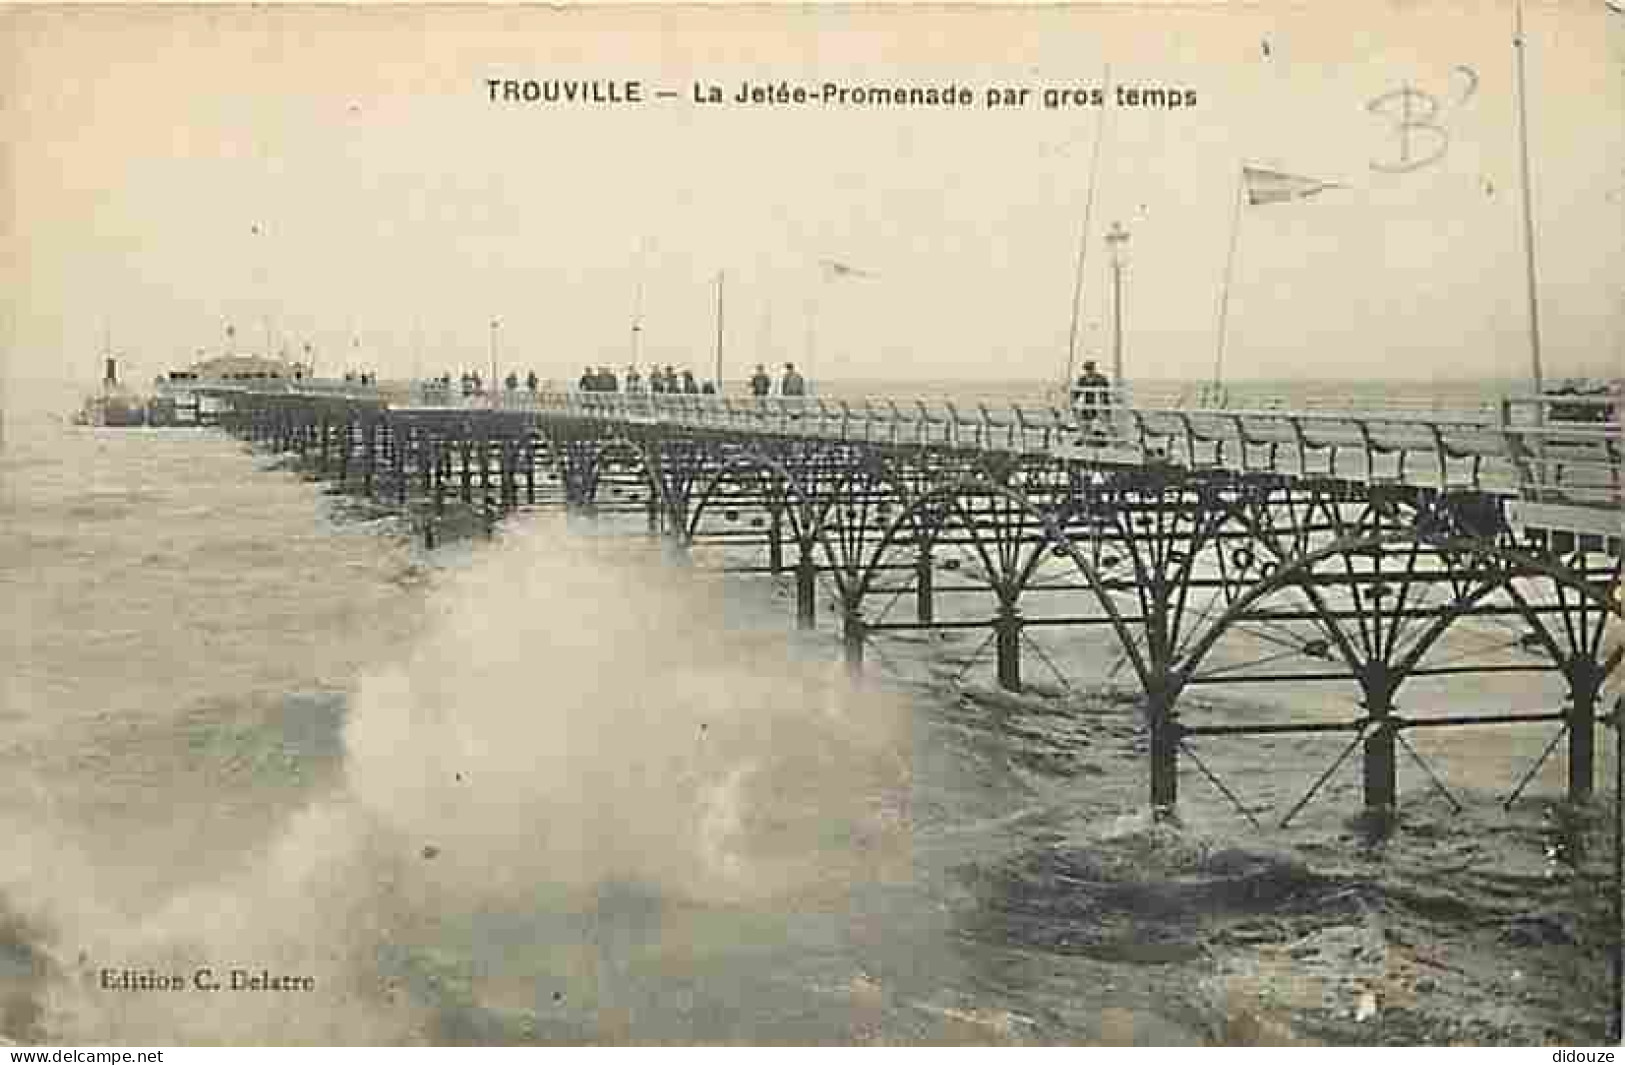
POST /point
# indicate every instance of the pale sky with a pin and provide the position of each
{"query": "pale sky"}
(394, 201)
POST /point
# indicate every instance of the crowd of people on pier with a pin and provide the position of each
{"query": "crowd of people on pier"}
(471, 383)
(668, 380)
(660, 380)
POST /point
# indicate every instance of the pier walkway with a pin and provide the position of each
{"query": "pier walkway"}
(1213, 547)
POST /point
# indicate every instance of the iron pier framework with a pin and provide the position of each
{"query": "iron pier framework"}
(1282, 551)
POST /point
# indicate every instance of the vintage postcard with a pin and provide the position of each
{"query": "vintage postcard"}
(824, 524)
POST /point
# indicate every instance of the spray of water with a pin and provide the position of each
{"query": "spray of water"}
(584, 713)
(579, 713)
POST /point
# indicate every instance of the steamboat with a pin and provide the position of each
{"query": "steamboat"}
(181, 397)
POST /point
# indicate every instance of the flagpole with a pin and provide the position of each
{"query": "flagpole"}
(417, 349)
(637, 299)
(1528, 217)
(812, 331)
(1083, 244)
(637, 319)
(1224, 287)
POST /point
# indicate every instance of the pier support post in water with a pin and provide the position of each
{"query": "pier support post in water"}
(397, 458)
(925, 609)
(1380, 784)
(369, 445)
(1007, 637)
(806, 589)
(775, 539)
(852, 636)
(508, 479)
(1164, 751)
(1585, 678)
(442, 470)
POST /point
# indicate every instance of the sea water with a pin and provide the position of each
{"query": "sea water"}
(566, 786)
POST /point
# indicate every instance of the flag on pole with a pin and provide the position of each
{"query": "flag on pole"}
(1272, 186)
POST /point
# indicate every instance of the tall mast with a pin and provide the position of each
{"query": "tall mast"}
(1224, 283)
(1528, 214)
(1083, 242)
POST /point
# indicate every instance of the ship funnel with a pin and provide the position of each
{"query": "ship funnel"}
(110, 376)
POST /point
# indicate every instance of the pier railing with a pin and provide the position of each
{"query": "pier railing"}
(1524, 448)
(1548, 448)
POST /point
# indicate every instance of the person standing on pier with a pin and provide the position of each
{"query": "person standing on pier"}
(634, 383)
(531, 381)
(793, 385)
(690, 387)
(588, 381)
(1091, 398)
(760, 383)
(671, 378)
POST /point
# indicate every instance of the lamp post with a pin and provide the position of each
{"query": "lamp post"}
(260, 256)
(1116, 240)
(495, 324)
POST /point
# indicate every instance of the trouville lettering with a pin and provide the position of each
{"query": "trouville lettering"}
(564, 91)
